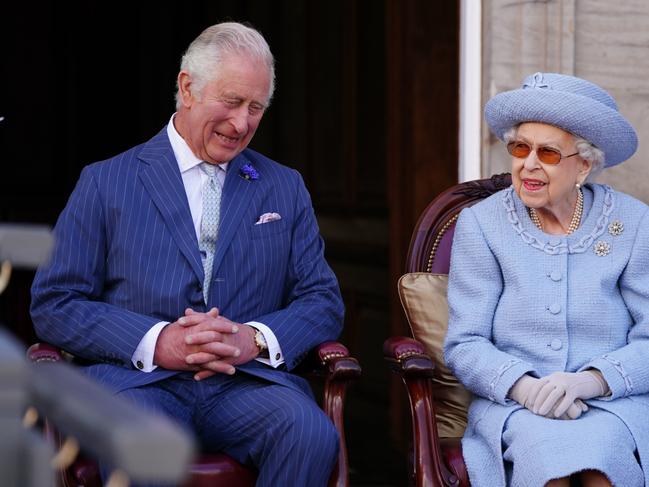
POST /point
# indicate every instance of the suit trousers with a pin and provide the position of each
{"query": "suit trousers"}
(277, 429)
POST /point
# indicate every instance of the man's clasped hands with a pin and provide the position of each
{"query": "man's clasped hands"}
(206, 343)
(559, 395)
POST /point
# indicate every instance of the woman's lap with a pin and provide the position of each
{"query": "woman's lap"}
(538, 449)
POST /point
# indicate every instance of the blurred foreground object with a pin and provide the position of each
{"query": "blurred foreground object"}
(24, 455)
(141, 446)
(22, 246)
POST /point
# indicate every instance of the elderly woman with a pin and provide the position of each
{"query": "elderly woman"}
(549, 299)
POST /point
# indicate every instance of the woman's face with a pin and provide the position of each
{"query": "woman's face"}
(545, 186)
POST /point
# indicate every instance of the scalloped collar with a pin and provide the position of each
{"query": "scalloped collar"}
(597, 208)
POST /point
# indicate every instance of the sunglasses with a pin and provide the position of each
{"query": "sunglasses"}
(547, 155)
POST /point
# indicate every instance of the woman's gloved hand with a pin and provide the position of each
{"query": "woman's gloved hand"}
(561, 389)
(526, 390)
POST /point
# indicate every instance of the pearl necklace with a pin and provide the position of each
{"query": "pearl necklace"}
(576, 216)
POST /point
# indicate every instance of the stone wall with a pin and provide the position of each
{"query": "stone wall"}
(603, 41)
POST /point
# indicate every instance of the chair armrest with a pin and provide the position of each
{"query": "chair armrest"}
(332, 360)
(407, 357)
(44, 352)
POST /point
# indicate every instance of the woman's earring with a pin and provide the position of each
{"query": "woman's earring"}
(578, 185)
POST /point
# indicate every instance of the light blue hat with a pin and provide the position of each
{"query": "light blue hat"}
(572, 104)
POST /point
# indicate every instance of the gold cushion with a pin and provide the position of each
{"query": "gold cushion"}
(423, 296)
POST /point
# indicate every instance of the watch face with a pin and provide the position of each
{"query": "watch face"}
(260, 340)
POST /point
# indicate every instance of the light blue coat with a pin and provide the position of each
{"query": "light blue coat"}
(521, 301)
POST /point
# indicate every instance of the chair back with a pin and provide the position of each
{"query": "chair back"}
(423, 293)
(430, 245)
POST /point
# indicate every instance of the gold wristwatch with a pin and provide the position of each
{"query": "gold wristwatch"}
(260, 341)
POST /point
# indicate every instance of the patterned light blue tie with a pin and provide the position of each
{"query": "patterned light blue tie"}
(209, 222)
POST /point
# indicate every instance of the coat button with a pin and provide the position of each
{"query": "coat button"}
(139, 364)
(556, 344)
(278, 356)
(555, 276)
(554, 308)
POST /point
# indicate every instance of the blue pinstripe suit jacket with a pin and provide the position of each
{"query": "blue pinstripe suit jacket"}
(127, 257)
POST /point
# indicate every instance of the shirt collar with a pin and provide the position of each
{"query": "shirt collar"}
(184, 155)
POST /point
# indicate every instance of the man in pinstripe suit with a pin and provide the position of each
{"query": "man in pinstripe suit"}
(127, 289)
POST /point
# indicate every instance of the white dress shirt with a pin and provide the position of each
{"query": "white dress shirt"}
(193, 180)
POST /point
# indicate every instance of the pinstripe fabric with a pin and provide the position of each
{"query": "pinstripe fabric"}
(257, 423)
(127, 257)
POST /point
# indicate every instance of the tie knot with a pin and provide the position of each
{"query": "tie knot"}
(209, 169)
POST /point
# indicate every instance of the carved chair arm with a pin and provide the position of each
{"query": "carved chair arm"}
(407, 357)
(332, 361)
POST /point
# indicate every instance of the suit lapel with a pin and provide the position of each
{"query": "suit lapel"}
(236, 197)
(160, 175)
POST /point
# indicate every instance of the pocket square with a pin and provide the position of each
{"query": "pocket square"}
(268, 217)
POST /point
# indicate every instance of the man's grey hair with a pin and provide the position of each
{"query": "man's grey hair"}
(205, 54)
(586, 151)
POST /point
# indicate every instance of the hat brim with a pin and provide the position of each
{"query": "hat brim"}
(599, 124)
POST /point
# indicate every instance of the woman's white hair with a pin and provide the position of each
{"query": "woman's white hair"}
(586, 151)
(205, 54)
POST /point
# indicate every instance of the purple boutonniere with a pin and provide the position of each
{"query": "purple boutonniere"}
(248, 172)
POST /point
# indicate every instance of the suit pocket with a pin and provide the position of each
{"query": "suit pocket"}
(267, 229)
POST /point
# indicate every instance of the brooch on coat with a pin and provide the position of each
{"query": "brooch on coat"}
(603, 248)
(616, 228)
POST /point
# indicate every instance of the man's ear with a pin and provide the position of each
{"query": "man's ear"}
(185, 88)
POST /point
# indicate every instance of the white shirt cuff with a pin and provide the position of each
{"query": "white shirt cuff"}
(143, 356)
(274, 351)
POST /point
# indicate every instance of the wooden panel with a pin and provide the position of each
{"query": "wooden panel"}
(422, 116)
(422, 103)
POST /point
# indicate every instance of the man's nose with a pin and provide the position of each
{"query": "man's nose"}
(239, 119)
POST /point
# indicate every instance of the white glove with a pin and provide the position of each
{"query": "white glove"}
(575, 410)
(526, 389)
(561, 389)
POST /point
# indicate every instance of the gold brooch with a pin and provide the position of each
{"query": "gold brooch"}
(616, 228)
(602, 248)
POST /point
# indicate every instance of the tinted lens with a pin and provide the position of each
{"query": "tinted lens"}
(548, 155)
(519, 149)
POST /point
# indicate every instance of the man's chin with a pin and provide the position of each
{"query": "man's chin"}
(220, 156)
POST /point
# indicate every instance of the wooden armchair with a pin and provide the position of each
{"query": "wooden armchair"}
(330, 361)
(438, 402)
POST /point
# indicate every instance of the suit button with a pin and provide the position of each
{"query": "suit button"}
(555, 275)
(139, 364)
(554, 308)
(278, 356)
(556, 344)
